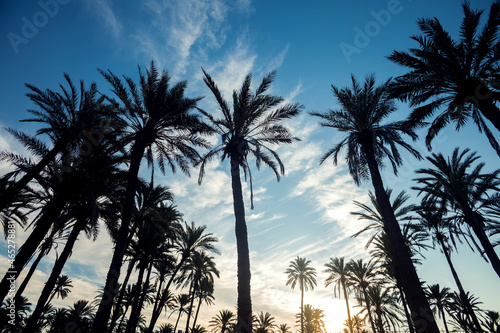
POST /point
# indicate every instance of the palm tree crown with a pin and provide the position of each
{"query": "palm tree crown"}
(458, 75)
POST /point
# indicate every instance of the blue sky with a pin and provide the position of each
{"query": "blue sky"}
(311, 46)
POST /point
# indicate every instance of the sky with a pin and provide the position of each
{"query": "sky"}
(312, 46)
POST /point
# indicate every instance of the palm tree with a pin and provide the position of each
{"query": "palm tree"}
(384, 306)
(459, 311)
(463, 187)
(264, 323)
(223, 321)
(362, 275)
(312, 319)
(62, 288)
(199, 266)
(459, 75)
(252, 124)
(299, 272)
(161, 124)
(73, 122)
(188, 241)
(205, 293)
(363, 108)
(439, 298)
(181, 304)
(284, 328)
(338, 275)
(432, 219)
(80, 316)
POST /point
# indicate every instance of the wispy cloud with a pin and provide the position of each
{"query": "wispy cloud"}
(105, 10)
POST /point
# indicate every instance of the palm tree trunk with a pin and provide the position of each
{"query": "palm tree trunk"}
(135, 305)
(301, 306)
(156, 312)
(110, 288)
(32, 270)
(56, 271)
(26, 251)
(444, 320)
(177, 321)
(405, 307)
(197, 311)
(477, 225)
(158, 293)
(419, 306)
(116, 312)
(461, 290)
(347, 306)
(244, 324)
(192, 293)
(134, 318)
(368, 307)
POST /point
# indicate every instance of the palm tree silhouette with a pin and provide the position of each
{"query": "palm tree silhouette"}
(161, 124)
(458, 75)
(251, 125)
(264, 323)
(463, 187)
(223, 321)
(299, 272)
(363, 107)
(439, 299)
(339, 276)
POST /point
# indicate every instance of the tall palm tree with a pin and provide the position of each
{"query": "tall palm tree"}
(432, 219)
(180, 304)
(264, 323)
(199, 266)
(464, 189)
(205, 293)
(161, 124)
(249, 128)
(74, 119)
(460, 76)
(301, 273)
(339, 275)
(363, 275)
(385, 308)
(189, 240)
(363, 107)
(439, 299)
(223, 321)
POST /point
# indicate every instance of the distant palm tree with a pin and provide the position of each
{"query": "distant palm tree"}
(459, 75)
(181, 304)
(189, 240)
(161, 124)
(284, 328)
(205, 293)
(363, 107)
(199, 329)
(166, 328)
(312, 319)
(459, 312)
(62, 288)
(439, 298)
(432, 219)
(299, 272)
(253, 123)
(223, 321)
(362, 276)
(264, 323)
(339, 276)
(463, 188)
(385, 308)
